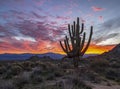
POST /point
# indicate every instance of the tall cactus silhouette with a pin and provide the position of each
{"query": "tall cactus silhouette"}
(74, 45)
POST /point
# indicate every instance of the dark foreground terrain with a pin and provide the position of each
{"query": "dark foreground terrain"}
(55, 74)
(98, 72)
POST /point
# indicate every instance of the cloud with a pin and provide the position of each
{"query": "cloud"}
(24, 38)
(68, 12)
(96, 9)
(39, 2)
(38, 16)
(62, 17)
(108, 33)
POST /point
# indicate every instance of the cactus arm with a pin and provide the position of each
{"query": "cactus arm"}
(82, 28)
(77, 28)
(88, 43)
(63, 47)
(83, 41)
(69, 31)
(70, 34)
(68, 45)
(74, 28)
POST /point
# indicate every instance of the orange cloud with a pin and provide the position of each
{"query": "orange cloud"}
(97, 8)
(45, 46)
(97, 49)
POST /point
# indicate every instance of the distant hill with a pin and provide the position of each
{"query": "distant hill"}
(112, 54)
(115, 52)
(25, 56)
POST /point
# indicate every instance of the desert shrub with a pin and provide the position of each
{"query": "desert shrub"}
(78, 84)
(2, 69)
(40, 71)
(27, 65)
(51, 66)
(14, 70)
(66, 65)
(22, 79)
(93, 77)
(8, 65)
(99, 65)
(36, 75)
(41, 64)
(112, 74)
(115, 65)
(6, 84)
(50, 76)
(37, 70)
(58, 73)
(36, 79)
(47, 74)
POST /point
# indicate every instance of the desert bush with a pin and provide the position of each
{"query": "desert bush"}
(66, 65)
(2, 69)
(112, 74)
(58, 73)
(51, 66)
(22, 79)
(36, 75)
(14, 70)
(41, 64)
(50, 76)
(92, 76)
(115, 64)
(6, 84)
(99, 65)
(8, 65)
(27, 65)
(40, 71)
(78, 84)
(36, 79)
(37, 70)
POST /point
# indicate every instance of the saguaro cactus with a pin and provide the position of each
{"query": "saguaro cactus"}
(74, 45)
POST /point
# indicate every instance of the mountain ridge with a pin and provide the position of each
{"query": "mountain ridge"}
(24, 56)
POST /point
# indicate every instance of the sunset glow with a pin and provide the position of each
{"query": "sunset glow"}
(37, 26)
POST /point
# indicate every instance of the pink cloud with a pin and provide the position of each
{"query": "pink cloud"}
(40, 3)
(97, 8)
(62, 17)
(53, 22)
(68, 12)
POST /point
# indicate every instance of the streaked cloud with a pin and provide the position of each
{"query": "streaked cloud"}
(109, 32)
(96, 9)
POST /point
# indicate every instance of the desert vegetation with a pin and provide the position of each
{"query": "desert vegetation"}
(54, 74)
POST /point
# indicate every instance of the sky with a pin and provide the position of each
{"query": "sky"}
(37, 26)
